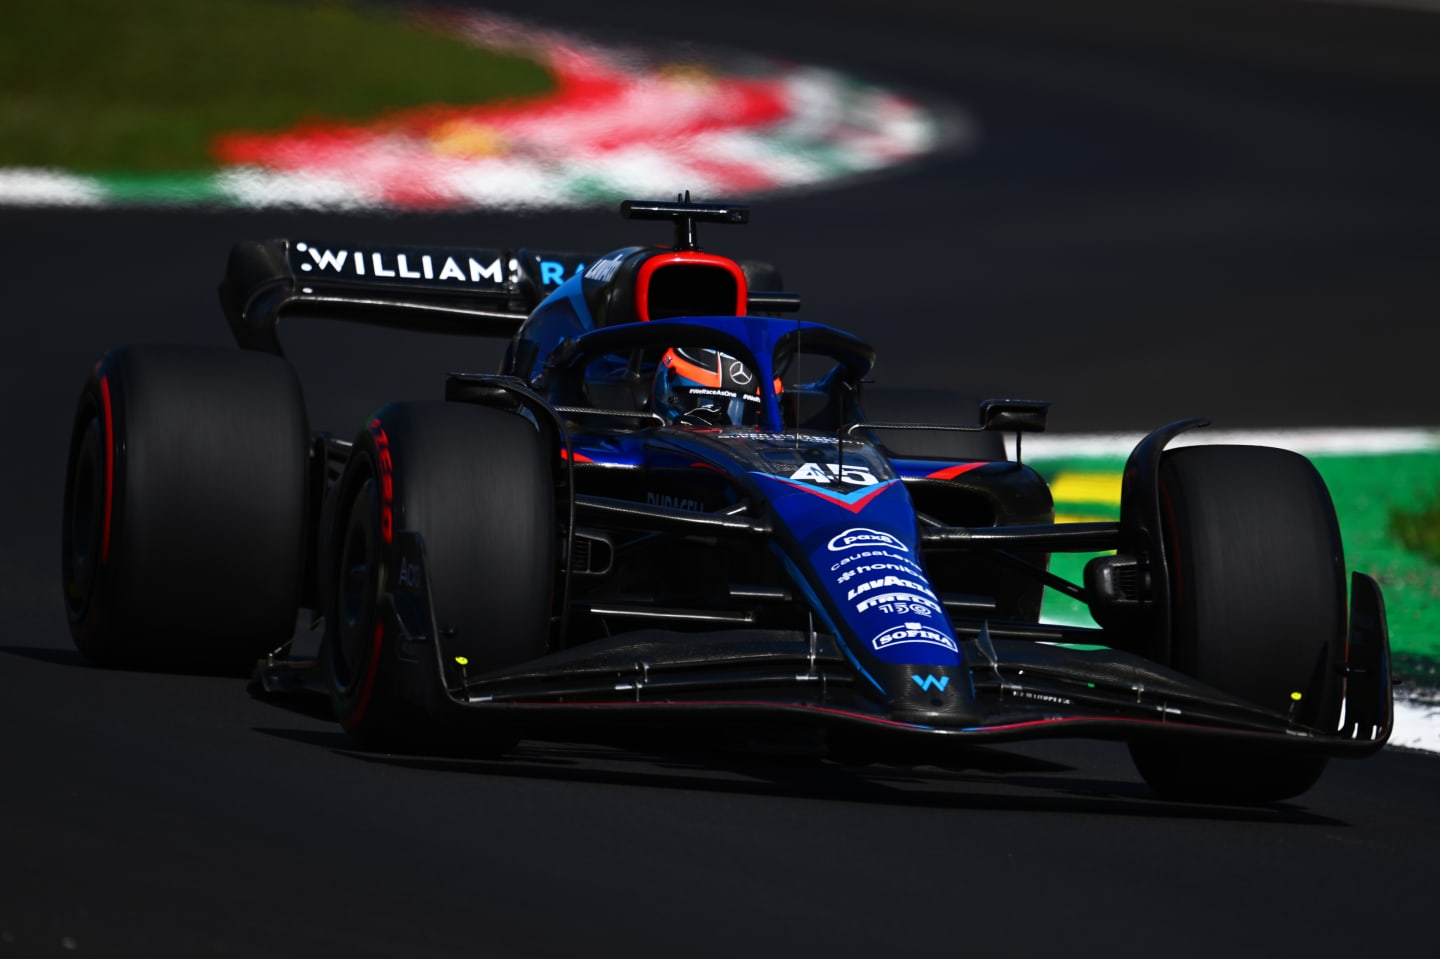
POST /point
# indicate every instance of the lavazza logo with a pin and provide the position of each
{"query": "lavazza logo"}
(913, 633)
(886, 582)
(859, 537)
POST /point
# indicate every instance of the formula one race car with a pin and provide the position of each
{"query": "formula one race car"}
(669, 507)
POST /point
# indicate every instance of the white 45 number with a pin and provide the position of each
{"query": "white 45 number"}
(824, 474)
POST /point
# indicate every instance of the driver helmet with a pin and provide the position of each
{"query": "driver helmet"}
(704, 387)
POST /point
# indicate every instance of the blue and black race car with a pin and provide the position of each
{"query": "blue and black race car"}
(669, 508)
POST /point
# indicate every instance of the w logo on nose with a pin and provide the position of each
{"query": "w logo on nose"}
(930, 681)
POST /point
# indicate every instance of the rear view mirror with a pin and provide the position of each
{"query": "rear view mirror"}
(1022, 416)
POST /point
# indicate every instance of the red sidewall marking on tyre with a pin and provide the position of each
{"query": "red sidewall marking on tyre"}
(367, 688)
(387, 481)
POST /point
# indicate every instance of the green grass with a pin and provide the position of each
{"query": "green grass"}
(1367, 491)
(1418, 530)
(145, 85)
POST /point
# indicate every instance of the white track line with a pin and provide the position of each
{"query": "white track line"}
(1308, 442)
(1417, 725)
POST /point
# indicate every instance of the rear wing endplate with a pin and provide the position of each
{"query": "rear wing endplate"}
(468, 292)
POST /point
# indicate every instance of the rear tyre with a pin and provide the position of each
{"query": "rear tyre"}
(476, 484)
(1257, 610)
(184, 512)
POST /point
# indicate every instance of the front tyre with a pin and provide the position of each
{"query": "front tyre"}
(476, 484)
(1258, 611)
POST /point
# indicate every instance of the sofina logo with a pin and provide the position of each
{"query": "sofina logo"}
(913, 633)
(859, 537)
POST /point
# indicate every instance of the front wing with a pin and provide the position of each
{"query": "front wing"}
(1030, 681)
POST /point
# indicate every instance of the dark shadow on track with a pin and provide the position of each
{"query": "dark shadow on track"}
(806, 777)
(50, 654)
(73, 658)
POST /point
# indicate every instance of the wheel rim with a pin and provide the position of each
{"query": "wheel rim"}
(84, 514)
(357, 579)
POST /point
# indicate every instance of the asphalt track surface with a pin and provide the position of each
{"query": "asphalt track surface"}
(1224, 208)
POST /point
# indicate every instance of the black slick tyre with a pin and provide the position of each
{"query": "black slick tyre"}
(184, 512)
(476, 484)
(1258, 610)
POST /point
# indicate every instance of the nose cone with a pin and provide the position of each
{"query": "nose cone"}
(932, 695)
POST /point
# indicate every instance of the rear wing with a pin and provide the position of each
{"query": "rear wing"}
(469, 292)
